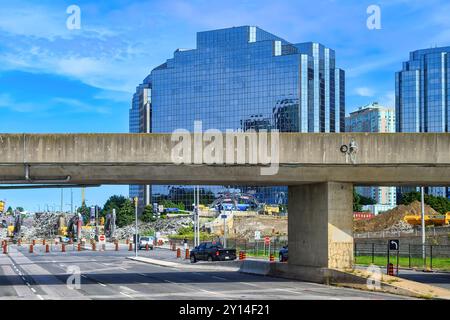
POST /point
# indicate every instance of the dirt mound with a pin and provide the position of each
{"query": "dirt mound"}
(392, 219)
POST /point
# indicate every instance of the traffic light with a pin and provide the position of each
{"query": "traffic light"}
(136, 199)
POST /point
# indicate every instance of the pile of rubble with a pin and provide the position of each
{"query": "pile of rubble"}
(164, 226)
(392, 220)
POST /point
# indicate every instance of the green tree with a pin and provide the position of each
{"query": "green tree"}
(147, 214)
(20, 209)
(125, 214)
(114, 202)
(356, 201)
(366, 200)
(440, 204)
(10, 210)
(84, 211)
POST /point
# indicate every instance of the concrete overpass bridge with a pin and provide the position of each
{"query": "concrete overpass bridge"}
(320, 170)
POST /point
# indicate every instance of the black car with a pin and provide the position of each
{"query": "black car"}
(283, 254)
(210, 251)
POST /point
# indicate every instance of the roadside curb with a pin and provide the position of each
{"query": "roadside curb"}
(356, 279)
(163, 263)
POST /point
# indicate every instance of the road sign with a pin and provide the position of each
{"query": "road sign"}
(394, 244)
(160, 208)
(102, 238)
(223, 216)
(257, 235)
(266, 240)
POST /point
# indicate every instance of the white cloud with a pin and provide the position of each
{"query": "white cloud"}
(364, 92)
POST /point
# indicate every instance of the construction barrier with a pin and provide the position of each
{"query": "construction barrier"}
(127, 241)
(79, 247)
(43, 242)
(31, 248)
(186, 256)
(19, 242)
(271, 258)
(147, 247)
(93, 246)
(178, 253)
(130, 247)
(174, 246)
(33, 242)
(160, 242)
(242, 255)
(390, 269)
(63, 247)
(47, 248)
(117, 246)
(5, 248)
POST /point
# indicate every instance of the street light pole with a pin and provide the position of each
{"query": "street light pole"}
(136, 229)
(422, 197)
(198, 215)
(195, 218)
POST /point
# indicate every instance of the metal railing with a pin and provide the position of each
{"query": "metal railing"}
(409, 256)
(430, 231)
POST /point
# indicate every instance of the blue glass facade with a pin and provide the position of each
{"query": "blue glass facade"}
(422, 97)
(246, 78)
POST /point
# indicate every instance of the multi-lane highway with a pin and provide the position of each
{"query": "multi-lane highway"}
(110, 275)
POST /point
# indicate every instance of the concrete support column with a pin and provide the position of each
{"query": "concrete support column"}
(320, 225)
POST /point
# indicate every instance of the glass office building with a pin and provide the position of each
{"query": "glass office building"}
(374, 118)
(242, 78)
(422, 97)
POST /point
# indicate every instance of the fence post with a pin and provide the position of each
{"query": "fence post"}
(373, 252)
(409, 255)
(431, 257)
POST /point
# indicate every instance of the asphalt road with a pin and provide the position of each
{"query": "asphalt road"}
(109, 275)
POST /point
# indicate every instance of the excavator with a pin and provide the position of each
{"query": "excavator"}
(13, 231)
(430, 219)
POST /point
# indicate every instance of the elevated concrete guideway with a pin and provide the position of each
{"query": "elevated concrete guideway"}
(381, 159)
(319, 175)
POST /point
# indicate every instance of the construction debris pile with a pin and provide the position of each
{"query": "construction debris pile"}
(392, 220)
(42, 226)
(164, 226)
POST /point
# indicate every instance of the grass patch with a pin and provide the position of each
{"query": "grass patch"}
(405, 262)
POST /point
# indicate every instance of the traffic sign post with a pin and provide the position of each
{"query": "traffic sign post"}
(393, 245)
(266, 244)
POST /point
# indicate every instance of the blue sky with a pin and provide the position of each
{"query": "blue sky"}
(57, 80)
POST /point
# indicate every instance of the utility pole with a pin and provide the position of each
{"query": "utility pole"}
(62, 200)
(71, 200)
(136, 199)
(194, 211)
(422, 197)
(198, 215)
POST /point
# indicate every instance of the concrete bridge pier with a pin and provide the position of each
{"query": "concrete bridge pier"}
(320, 229)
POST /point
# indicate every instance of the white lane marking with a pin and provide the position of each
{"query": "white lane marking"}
(24, 279)
(142, 274)
(219, 278)
(34, 290)
(127, 295)
(84, 276)
(27, 283)
(169, 282)
(102, 284)
(40, 297)
(127, 289)
(250, 284)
